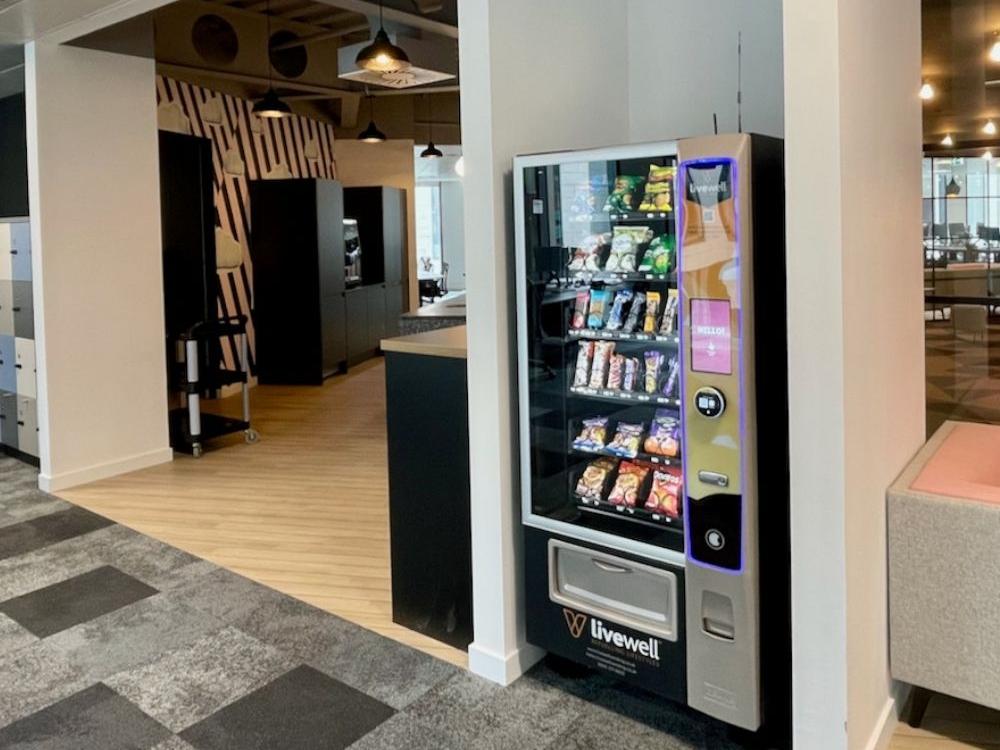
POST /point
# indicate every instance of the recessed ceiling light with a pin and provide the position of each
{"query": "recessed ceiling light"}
(926, 92)
(990, 128)
(948, 140)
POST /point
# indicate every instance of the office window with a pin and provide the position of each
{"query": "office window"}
(428, 209)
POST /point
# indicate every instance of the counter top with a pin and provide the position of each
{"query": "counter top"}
(453, 307)
(442, 342)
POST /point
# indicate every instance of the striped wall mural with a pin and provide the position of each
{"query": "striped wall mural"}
(244, 148)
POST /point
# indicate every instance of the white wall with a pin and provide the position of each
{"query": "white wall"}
(853, 143)
(95, 222)
(535, 76)
(682, 67)
(453, 232)
(390, 164)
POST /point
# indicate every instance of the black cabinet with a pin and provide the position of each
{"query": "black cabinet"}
(359, 345)
(300, 307)
(381, 216)
(14, 163)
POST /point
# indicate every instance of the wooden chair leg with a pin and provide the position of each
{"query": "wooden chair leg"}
(918, 706)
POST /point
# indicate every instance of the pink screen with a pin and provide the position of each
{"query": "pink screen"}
(711, 337)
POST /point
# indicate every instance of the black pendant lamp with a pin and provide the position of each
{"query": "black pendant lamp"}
(952, 189)
(432, 151)
(271, 105)
(382, 56)
(371, 134)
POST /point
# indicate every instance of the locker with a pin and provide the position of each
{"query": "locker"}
(24, 352)
(5, 257)
(27, 426)
(20, 250)
(8, 376)
(8, 419)
(6, 308)
(24, 310)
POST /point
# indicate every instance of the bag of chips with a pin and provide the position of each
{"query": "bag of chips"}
(625, 243)
(616, 318)
(602, 357)
(594, 479)
(587, 257)
(616, 371)
(632, 322)
(654, 361)
(593, 436)
(626, 440)
(652, 312)
(669, 323)
(598, 307)
(660, 255)
(659, 195)
(671, 386)
(629, 483)
(664, 435)
(622, 196)
(583, 360)
(580, 310)
(665, 494)
(631, 374)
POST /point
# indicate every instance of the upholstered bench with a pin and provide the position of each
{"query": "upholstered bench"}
(944, 568)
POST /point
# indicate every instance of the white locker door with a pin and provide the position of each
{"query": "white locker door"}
(6, 268)
(24, 357)
(27, 426)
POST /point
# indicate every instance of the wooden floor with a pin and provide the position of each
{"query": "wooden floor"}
(951, 724)
(304, 511)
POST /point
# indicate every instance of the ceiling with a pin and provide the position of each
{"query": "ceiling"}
(957, 35)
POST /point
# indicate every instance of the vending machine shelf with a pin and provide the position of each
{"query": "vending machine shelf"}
(629, 397)
(589, 334)
(610, 277)
(635, 515)
(640, 456)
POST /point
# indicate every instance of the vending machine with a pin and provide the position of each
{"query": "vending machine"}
(653, 419)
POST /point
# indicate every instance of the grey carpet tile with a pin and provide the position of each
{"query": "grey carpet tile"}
(28, 505)
(600, 728)
(173, 743)
(96, 718)
(220, 593)
(302, 710)
(405, 732)
(132, 636)
(76, 600)
(191, 683)
(19, 538)
(149, 560)
(16, 479)
(13, 636)
(35, 676)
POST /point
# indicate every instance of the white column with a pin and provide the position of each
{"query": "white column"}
(93, 177)
(535, 76)
(853, 137)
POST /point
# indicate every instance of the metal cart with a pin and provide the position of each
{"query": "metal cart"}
(195, 351)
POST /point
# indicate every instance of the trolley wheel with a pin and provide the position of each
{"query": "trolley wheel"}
(196, 450)
(251, 435)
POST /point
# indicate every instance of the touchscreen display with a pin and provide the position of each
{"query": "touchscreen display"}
(711, 337)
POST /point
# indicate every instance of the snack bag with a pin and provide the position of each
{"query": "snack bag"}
(669, 323)
(664, 435)
(665, 494)
(627, 486)
(654, 361)
(602, 357)
(652, 312)
(616, 371)
(625, 243)
(631, 374)
(659, 195)
(587, 257)
(634, 313)
(616, 318)
(627, 439)
(598, 305)
(622, 196)
(660, 256)
(670, 387)
(594, 479)
(593, 435)
(583, 360)
(580, 310)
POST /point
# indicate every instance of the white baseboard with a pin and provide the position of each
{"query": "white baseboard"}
(67, 479)
(881, 735)
(499, 669)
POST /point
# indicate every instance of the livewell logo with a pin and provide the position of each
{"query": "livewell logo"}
(576, 622)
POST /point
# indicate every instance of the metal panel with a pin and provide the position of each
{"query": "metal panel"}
(24, 354)
(6, 308)
(27, 426)
(8, 373)
(24, 310)
(8, 419)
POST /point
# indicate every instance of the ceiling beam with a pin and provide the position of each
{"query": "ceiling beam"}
(396, 16)
(297, 26)
(321, 37)
(261, 6)
(181, 71)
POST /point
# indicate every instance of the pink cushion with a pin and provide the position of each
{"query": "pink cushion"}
(966, 465)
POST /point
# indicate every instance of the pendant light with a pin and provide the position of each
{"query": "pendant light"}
(432, 151)
(952, 189)
(382, 56)
(990, 128)
(927, 92)
(371, 134)
(995, 47)
(948, 141)
(270, 106)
